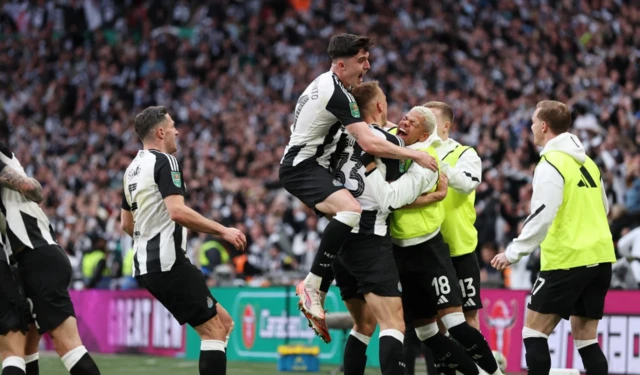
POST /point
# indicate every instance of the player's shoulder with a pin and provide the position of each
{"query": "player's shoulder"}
(162, 158)
(390, 134)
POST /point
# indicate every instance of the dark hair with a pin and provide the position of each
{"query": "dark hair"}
(348, 45)
(555, 114)
(148, 119)
(364, 93)
(447, 111)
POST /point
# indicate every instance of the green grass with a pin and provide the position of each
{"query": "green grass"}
(146, 365)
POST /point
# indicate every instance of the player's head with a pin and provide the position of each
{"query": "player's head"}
(154, 125)
(417, 125)
(349, 55)
(444, 117)
(372, 102)
(550, 119)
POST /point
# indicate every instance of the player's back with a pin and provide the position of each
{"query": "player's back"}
(27, 225)
(321, 113)
(351, 174)
(159, 242)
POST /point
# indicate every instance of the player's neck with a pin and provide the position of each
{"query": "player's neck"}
(154, 146)
(373, 120)
(444, 137)
(335, 71)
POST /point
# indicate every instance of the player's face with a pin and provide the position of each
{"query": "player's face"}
(170, 135)
(410, 128)
(536, 129)
(356, 67)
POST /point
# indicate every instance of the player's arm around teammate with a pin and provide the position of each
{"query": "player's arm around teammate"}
(568, 221)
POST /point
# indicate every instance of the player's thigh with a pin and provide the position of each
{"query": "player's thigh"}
(184, 292)
(339, 200)
(468, 274)
(14, 311)
(369, 259)
(387, 311)
(556, 291)
(66, 336)
(418, 303)
(12, 344)
(346, 282)
(590, 303)
(225, 317)
(584, 328)
(439, 274)
(45, 274)
(314, 186)
(544, 323)
(33, 340)
(364, 321)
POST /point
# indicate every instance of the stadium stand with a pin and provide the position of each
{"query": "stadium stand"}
(73, 73)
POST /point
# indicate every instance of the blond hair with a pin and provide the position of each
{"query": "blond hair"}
(430, 121)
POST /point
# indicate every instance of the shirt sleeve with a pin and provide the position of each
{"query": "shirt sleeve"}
(2, 165)
(548, 189)
(343, 105)
(125, 204)
(467, 174)
(605, 200)
(168, 176)
(405, 190)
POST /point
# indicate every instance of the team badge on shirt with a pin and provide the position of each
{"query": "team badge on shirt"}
(177, 180)
(355, 111)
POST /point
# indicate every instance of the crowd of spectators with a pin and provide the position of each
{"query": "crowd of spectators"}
(74, 73)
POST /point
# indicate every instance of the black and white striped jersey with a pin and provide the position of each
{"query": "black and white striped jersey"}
(322, 112)
(5, 250)
(26, 224)
(158, 241)
(351, 174)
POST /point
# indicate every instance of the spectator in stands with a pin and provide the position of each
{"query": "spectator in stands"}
(72, 75)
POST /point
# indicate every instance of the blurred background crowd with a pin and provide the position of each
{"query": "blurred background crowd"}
(73, 74)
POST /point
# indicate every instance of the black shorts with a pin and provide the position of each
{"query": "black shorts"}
(368, 262)
(183, 291)
(468, 273)
(579, 291)
(45, 274)
(428, 278)
(309, 182)
(14, 309)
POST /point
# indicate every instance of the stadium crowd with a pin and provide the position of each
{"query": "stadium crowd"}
(74, 73)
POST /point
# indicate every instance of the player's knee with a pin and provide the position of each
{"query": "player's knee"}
(365, 328)
(66, 337)
(212, 329)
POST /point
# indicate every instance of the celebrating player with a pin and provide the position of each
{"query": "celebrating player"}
(569, 222)
(155, 215)
(324, 110)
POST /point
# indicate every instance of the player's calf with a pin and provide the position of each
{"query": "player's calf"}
(32, 357)
(592, 357)
(471, 339)
(537, 352)
(388, 313)
(445, 350)
(355, 351)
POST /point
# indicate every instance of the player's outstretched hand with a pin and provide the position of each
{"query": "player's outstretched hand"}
(235, 237)
(426, 161)
(500, 262)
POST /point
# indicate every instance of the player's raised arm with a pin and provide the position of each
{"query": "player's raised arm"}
(29, 187)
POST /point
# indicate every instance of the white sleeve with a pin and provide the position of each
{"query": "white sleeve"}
(405, 190)
(548, 188)
(625, 243)
(467, 174)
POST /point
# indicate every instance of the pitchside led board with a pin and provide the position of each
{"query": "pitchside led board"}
(134, 322)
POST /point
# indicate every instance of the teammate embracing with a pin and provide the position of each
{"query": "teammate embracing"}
(324, 110)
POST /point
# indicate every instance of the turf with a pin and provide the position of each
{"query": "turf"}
(145, 365)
